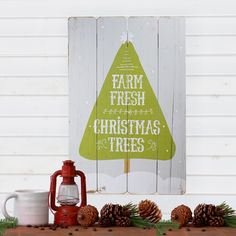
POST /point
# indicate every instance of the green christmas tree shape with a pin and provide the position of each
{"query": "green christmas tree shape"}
(127, 119)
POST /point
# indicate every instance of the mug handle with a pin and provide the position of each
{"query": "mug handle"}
(4, 210)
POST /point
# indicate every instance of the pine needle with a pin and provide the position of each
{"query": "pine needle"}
(226, 209)
(230, 221)
(7, 223)
(228, 214)
(162, 226)
(132, 207)
(139, 222)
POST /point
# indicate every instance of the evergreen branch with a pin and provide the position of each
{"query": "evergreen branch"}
(162, 226)
(132, 208)
(230, 221)
(228, 214)
(7, 223)
(139, 222)
(1, 231)
(226, 209)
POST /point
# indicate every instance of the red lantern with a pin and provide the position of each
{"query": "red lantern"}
(68, 194)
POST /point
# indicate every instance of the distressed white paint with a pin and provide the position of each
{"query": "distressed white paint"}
(67, 8)
(211, 117)
(171, 174)
(82, 71)
(214, 85)
(35, 66)
(42, 86)
(32, 46)
(34, 106)
(111, 176)
(178, 164)
(145, 171)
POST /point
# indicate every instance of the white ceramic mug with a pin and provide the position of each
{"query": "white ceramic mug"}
(30, 206)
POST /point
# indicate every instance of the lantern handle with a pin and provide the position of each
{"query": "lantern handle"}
(52, 193)
(83, 188)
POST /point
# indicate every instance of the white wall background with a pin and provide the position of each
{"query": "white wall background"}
(34, 93)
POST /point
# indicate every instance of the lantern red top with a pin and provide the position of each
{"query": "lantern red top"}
(68, 172)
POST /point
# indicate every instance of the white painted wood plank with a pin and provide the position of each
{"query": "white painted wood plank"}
(213, 146)
(210, 165)
(33, 165)
(211, 184)
(58, 126)
(211, 105)
(37, 46)
(211, 65)
(211, 26)
(200, 85)
(143, 171)
(210, 85)
(195, 184)
(58, 106)
(111, 175)
(33, 66)
(34, 106)
(210, 45)
(57, 46)
(34, 146)
(34, 86)
(178, 163)
(43, 126)
(166, 78)
(200, 65)
(211, 126)
(82, 90)
(67, 8)
(33, 27)
(58, 26)
(24, 182)
(196, 146)
(171, 174)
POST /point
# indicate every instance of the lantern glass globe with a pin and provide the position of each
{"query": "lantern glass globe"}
(68, 194)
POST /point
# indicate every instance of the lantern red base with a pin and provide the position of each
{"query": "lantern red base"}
(66, 215)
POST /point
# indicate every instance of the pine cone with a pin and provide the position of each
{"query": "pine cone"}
(203, 213)
(105, 222)
(123, 221)
(219, 211)
(107, 211)
(117, 211)
(126, 212)
(182, 214)
(198, 222)
(216, 221)
(87, 215)
(211, 210)
(111, 212)
(150, 211)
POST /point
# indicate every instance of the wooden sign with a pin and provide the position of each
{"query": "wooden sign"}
(127, 103)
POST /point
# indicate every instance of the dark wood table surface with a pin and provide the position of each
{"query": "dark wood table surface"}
(117, 231)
